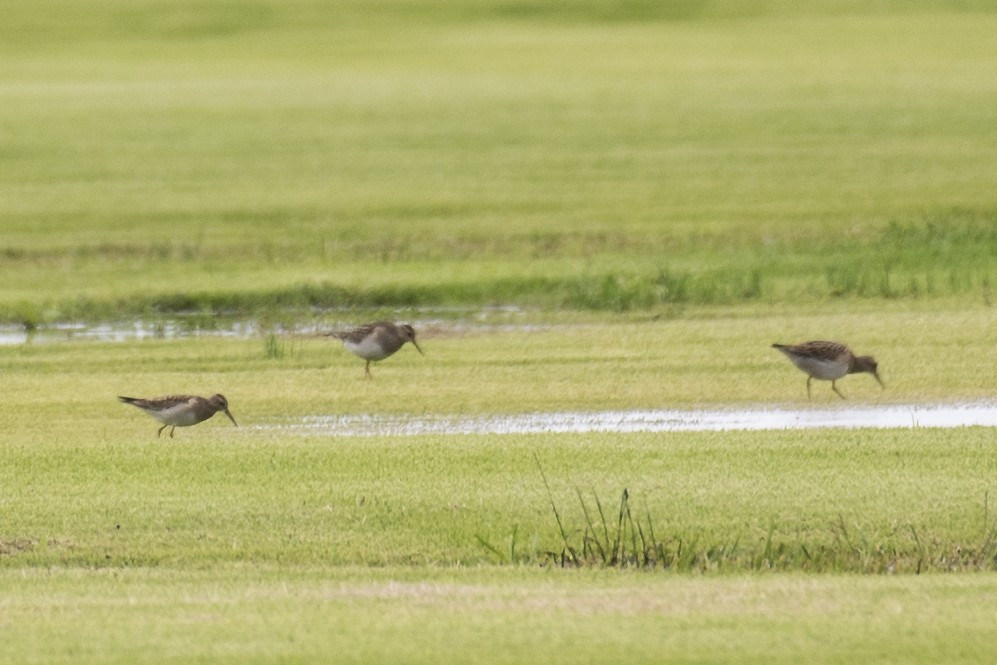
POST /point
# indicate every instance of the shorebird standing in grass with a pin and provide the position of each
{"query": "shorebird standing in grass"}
(181, 410)
(828, 361)
(376, 341)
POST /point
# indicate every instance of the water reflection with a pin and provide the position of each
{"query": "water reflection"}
(775, 418)
(120, 332)
(209, 325)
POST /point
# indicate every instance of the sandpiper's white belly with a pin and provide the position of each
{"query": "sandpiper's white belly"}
(179, 415)
(826, 370)
(368, 348)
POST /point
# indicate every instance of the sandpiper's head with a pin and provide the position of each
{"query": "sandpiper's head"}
(867, 364)
(408, 332)
(221, 404)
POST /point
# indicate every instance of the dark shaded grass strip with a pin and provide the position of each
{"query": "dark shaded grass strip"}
(951, 252)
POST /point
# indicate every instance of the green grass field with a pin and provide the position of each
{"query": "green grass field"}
(584, 206)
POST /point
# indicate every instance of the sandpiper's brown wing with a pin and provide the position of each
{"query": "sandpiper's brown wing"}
(158, 403)
(358, 334)
(818, 350)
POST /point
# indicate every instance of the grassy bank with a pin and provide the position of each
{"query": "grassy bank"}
(950, 257)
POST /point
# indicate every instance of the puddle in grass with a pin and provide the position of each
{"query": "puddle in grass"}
(432, 320)
(776, 418)
(120, 332)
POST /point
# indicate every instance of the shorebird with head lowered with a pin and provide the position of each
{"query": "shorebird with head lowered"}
(828, 361)
(376, 341)
(181, 410)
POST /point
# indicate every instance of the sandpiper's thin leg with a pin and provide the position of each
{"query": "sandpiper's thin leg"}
(172, 429)
(835, 389)
(367, 369)
(809, 379)
(161, 430)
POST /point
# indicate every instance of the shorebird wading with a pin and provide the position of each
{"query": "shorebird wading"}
(828, 361)
(181, 410)
(376, 341)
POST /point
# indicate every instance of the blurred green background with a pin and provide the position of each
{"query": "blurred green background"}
(161, 157)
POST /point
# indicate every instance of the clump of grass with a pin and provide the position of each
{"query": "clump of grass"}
(626, 541)
(273, 348)
(621, 539)
(946, 253)
(509, 554)
(28, 316)
(626, 292)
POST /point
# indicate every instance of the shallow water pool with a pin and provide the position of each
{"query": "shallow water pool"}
(756, 418)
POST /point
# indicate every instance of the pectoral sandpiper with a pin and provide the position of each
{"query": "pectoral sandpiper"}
(181, 410)
(376, 341)
(828, 361)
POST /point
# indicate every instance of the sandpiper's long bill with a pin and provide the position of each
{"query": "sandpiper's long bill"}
(828, 361)
(181, 410)
(376, 341)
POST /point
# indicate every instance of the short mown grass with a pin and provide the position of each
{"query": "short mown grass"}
(251, 541)
(244, 544)
(511, 615)
(838, 501)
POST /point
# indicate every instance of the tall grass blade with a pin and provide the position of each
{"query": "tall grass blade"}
(557, 515)
(591, 526)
